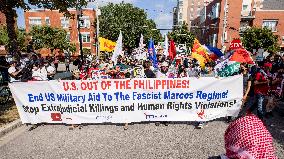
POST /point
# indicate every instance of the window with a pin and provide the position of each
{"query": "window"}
(34, 21)
(47, 21)
(214, 40)
(245, 7)
(86, 37)
(215, 11)
(68, 38)
(270, 24)
(282, 39)
(180, 15)
(180, 3)
(85, 22)
(64, 22)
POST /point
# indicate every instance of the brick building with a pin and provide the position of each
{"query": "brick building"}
(2, 19)
(55, 19)
(227, 19)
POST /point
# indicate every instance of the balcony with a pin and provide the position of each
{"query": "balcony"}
(247, 15)
(243, 29)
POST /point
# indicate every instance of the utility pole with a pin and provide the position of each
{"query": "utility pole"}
(79, 14)
(205, 19)
(98, 13)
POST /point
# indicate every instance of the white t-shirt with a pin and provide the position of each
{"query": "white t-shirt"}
(37, 75)
(43, 72)
(50, 69)
(12, 70)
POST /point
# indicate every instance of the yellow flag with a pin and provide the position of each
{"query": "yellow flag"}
(199, 58)
(106, 45)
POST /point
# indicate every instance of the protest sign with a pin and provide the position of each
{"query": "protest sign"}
(235, 44)
(128, 100)
(181, 50)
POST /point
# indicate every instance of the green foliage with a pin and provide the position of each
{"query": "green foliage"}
(4, 39)
(256, 38)
(61, 5)
(8, 7)
(52, 38)
(86, 51)
(132, 21)
(21, 36)
(181, 35)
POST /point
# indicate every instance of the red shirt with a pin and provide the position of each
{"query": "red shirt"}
(260, 88)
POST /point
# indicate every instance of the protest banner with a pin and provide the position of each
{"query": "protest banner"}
(128, 100)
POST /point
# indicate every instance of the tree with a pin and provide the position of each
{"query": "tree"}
(181, 35)
(8, 8)
(51, 38)
(21, 36)
(260, 38)
(132, 21)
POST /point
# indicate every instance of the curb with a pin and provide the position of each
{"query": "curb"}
(10, 127)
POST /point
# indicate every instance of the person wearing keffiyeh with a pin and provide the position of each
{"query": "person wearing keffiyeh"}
(248, 138)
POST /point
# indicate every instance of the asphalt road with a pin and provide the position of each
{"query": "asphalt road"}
(178, 140)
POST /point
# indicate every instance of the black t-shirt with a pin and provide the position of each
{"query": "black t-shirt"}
(251, 91)
(149, 73)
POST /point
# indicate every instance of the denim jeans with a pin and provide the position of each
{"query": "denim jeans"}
(261, 108)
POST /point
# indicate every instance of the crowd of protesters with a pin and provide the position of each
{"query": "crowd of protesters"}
(262, 81)
(263, 84)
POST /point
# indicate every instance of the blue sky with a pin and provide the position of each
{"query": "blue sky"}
(158, 10)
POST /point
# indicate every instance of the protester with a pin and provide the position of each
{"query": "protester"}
(13, 71)
(261, 89)
(208, 72)
(55, 62)
(148, 72)
(248, 138)
(50, 70)
(4, 66)
(67, 64)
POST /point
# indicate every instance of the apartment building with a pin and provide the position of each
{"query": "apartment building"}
(55, 19)
(181, 13)
(188, 11)
(227, 19)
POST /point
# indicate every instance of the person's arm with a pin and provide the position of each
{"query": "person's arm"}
(247, 91)
(257, 80)
(14, 74)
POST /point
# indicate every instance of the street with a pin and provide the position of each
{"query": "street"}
(141, 140)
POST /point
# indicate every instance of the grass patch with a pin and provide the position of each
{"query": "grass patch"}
(8, 113)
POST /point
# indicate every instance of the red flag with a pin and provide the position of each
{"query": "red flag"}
(172, 50)
(242, 55)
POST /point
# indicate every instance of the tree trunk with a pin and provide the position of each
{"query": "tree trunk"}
(11, 15)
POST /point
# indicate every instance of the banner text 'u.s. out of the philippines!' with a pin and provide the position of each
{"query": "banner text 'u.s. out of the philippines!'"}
(128, 100)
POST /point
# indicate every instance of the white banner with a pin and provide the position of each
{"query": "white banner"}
(128, 100)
